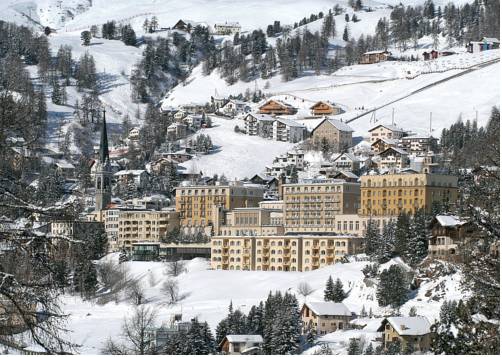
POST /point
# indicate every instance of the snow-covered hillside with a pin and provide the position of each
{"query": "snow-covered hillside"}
(210, 292)
(236, 155)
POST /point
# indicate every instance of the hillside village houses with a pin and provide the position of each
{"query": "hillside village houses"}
(274, 128)
(269, 222)
(335, 132)
(242, 344)
(374, 57)
(276, 107)
(486, 43)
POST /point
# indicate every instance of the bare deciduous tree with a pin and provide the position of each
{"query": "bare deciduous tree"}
(135, 332)
(304, 289)
(175, 267)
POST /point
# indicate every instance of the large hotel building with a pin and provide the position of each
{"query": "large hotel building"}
(387, 195)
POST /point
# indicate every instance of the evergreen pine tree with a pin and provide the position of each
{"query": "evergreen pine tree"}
(354, 348)
(419, 242)
(369, 350)
(338, 293)
(329, 291)
(392, 287)
(403, 235)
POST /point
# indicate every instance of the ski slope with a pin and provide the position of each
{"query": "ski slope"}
(210, 292)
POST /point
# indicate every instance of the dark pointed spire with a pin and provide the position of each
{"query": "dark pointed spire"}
(103, 144)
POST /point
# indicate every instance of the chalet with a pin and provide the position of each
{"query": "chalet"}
(486, 43)
(193, 108)
(346, 162)
(218, 102)
(292, 158)
(270, 182)
(188, 25)
(383, 144)
(325, 108)
(176, 131)
(335, 132)
(180, 114)
(413, 333)
(393, 158)
(288, 130)
(374, 57)
(227, 28)
(179, 156)
(447, 238)
(65, 168)
(325, 317)
(162, 165)
(433, 54)
(418, 144)
(234, 107)
(259, 124)
(277, 107)
(386, 131)
(193, 121)
(241, 344)
(138, 177)
(347, 176)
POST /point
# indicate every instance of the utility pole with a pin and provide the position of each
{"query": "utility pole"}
(392, 116)
(430, 123)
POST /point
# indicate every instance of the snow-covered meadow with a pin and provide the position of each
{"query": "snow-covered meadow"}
(209, 293)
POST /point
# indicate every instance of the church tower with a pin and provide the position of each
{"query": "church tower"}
(103, 171)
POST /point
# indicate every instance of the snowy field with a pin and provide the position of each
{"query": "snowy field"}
(210, 292)
(236, 155)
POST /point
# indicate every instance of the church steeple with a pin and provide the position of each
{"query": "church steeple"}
(103, 144)
(103, 180)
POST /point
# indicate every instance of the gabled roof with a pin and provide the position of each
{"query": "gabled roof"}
(280, 102)
(376, 52)
(387, 126)
(323, 102)
(350, 156)
(329, 308)
(340, 125)
(347, 174)
(262, 117)
(386, 141)
(408, 326)
(398, 150)
(490, 39)
(130, 172)
(449, 221)
(289, 122)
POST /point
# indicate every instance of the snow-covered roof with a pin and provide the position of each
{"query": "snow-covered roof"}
(244, 338)
(289, 122)
(232, 24)
(387, 141)
(329, 308)
(449, 221)
(130, 172)
(263, 117)
(340, 125)
(349, 174)
(409, 326)
(348, 155)
(63, 164)
(491, 39)
(387, 126)
(398, 150)
(375, 52)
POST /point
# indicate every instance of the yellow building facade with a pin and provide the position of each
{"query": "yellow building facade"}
(281, 253)
(197, 205)
(390, 194)
(314, 206)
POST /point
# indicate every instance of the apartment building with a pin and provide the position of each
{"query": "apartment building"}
(198, 205)
(335, 132)
(142, 226)
(419, 144)
(312, 206)
(389, 194)
(281, 253)
(385, 131)
(288, 130)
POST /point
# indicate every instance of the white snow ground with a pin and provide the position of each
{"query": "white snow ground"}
(236, 155)
(210, 292)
